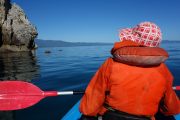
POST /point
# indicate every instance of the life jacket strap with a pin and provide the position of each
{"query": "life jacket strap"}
(124, 115)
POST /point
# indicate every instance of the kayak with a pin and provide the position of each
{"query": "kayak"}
(177, 117)
(74, 114)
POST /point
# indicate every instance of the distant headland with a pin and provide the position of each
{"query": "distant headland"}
(60, 43)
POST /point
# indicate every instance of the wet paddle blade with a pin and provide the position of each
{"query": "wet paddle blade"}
(16, 95)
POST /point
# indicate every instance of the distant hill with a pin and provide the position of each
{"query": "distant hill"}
(170, 41)
(60, 43)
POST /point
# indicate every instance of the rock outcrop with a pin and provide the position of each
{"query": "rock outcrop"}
(16, 32)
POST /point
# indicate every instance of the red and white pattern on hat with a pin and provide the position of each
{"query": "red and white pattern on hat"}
(146, 33)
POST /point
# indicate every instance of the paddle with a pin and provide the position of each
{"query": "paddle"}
(16, 95)
(176, 88)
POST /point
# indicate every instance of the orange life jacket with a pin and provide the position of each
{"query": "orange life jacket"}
(133, 89)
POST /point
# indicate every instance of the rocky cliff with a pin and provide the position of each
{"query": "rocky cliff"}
(16, 32)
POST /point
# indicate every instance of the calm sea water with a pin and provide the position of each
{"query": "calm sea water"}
(65, 68)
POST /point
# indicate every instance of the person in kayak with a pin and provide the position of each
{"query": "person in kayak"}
(138, 82)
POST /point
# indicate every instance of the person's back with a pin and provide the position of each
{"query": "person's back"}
(136, 77)
(139, 89)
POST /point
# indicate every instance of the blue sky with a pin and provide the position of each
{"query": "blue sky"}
(99, 20)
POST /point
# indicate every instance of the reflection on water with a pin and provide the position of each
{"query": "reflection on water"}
(17, 66)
